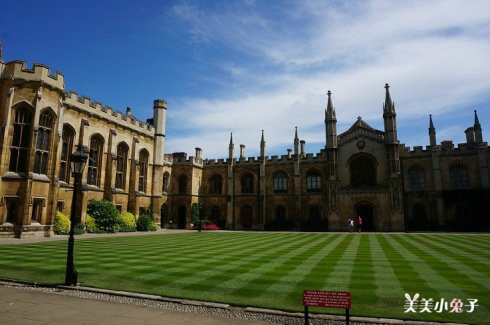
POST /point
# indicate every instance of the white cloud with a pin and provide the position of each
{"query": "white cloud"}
(434, 54)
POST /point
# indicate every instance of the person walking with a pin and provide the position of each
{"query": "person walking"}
(351, 225)
(359, 223)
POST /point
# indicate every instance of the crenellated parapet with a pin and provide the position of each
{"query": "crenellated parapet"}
(91, 107)
(446, 147)
(17, 70)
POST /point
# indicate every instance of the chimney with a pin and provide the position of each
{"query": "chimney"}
(470, 135)
(198, 153)
(128, 111)
(302, 146)
(242, 151)
(289, 153)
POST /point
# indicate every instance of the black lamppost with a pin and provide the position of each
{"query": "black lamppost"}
(77, 164)
(201, 212)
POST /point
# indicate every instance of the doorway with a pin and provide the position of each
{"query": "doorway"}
(246, 216)
(366, 211)
(163, 215)
(181, 222)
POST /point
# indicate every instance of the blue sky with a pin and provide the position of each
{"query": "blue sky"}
(244, 66)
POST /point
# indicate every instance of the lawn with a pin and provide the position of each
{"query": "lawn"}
(272, 269)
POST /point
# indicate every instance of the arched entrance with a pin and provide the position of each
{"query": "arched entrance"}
(163, 215)
(366, 211)
(181, 222)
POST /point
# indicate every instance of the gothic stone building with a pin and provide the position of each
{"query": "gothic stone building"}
(362, 171)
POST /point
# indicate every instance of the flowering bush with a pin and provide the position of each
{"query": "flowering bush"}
(90, 224)
(105, 214)
(61, 224)
(127, 222)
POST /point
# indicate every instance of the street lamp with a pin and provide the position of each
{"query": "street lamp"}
(77, 164)
(201, 212)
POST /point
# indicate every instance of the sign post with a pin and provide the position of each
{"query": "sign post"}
(330, 299)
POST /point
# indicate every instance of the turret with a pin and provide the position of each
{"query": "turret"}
(389, 117)
(262, 146)
(432, 132)
(159, 121)
(296, 141)
(231, 147)
(477, 130)
(330, 123)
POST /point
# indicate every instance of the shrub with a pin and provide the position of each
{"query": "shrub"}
(90, 224)
(196, 213)
(127, 222)
(145, 222)
(61, 224)
(79, 229)
(105, 215)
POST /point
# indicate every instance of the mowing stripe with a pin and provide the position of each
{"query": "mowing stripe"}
(472, 241)
(388, 284)
(443, 267)
(315, 279)
(444, 286)
(474, 268)
(468, 248)
(277, 266)
(310, 269)
(483, 241)
(481, 254)
(339, 278)
(362, 279)
(213, 266)
(411, 279)
(227, 280)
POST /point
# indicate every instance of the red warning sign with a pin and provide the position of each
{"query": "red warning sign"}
(334, 299)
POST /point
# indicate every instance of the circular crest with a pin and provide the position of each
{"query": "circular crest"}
(361, 144)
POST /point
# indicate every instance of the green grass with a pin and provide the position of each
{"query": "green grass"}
(272, 269)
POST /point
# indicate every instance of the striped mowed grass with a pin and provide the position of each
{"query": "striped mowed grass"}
(272, 269)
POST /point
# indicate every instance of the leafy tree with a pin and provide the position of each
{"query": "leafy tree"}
(105, 215)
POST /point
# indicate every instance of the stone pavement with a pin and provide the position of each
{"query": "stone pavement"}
(21, 306)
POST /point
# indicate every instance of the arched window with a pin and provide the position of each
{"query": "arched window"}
(247, 183)
(143, 163)
(67, 138)
(41, 157)
(280, 181)
(459, 175)
(280, 213)
(416, 178)
(165, 182)
(362, 171)
(95, 161)
(121, 165)
(19, 147)
(182, 184)
(313, 181)
(216, 185)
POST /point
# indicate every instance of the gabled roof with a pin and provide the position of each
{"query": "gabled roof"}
(360, 124)
(361, 129)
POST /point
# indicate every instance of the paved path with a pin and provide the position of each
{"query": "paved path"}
(8, 241)
(22, 306)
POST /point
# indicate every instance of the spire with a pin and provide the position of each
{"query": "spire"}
(432, 132)
(389, 105)
(477, 122)
(262, 145)
(231, 148)
(477, 130)
(330, 111)
(231, 138)
(296, 141)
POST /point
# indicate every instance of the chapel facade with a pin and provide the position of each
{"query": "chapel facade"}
(362, 171)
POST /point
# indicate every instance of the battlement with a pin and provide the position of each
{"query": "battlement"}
(39, 72)
(93, 107)
(445, 146)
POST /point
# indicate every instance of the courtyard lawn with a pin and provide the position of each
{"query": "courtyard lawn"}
(272, 269)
